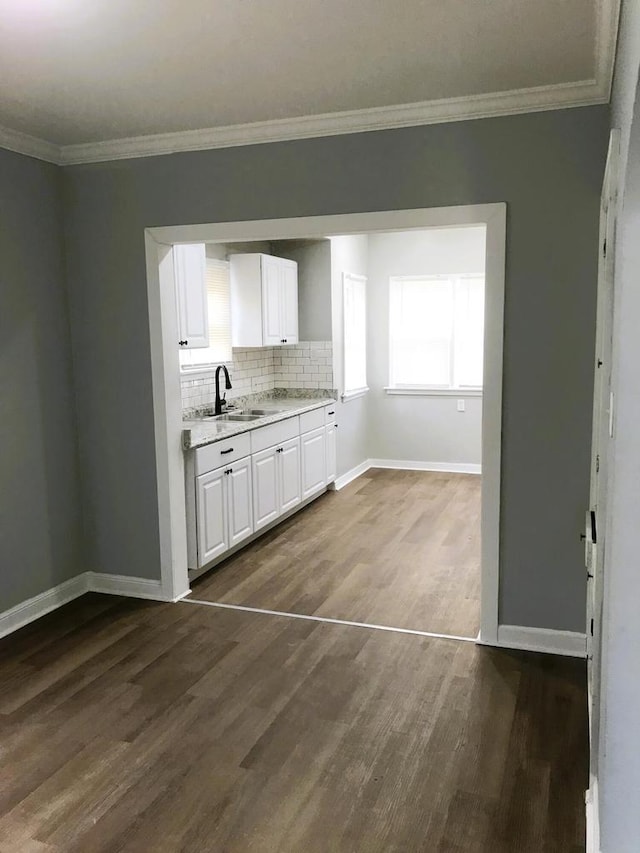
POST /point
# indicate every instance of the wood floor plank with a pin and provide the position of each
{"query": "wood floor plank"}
(397, 548)
(238, 732)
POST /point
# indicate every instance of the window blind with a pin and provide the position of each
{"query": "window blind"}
(436, 331)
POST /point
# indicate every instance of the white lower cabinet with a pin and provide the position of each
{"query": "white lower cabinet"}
(265, 487)
(223, 509)
(211, 508)
(233, 501)
(289, 475)
(330, 447)
(276, 481)
(314, 465)
(240, 509)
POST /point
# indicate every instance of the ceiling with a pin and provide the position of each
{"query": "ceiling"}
(76, 75)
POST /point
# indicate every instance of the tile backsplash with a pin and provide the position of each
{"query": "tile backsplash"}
(306, 365)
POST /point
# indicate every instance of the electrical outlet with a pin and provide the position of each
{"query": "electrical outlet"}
(461, 405)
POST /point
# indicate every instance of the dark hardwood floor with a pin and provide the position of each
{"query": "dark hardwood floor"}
(132, 726)
(398, 548)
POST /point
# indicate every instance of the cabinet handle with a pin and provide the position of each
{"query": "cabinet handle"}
(331, 413)
(229, 471)
(183, 343)
(223, 452)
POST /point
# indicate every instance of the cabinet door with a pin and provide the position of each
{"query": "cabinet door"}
(330, 447)
(289, 474)
(266, 506)
(211, 510)
(190, 270)
(314, 476)
(289, 301)
(271, 301)
(240, 503)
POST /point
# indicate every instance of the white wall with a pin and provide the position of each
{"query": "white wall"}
(348, 254)
(423, 429)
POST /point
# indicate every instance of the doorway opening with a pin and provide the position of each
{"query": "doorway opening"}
(318, 563)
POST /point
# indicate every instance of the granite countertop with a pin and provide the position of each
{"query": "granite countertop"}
(199, 431)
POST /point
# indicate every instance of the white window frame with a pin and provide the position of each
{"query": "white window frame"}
(347, 279)
(426, 390)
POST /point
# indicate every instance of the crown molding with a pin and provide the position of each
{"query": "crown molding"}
(582, 93)
(513, 102)
(22, 143)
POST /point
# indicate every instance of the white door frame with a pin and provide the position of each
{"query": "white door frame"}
(602, 433)
(166, 383)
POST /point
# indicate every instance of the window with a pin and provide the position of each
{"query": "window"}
(355, 334)
(436, 326)
(219, 304)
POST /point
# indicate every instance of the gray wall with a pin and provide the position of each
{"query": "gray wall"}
(547, 167)
(420, 429)
(314, 285)
(40, 524)
(619, 746)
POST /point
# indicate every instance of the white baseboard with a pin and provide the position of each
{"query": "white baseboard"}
(593, 818)
(567, 643)
(351, 475)
(123, 585)
(406, 465)
(33, 608)
(444, 467)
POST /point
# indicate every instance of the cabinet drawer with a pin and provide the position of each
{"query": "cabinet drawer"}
(330, 414)
(222, 452)
(267, 436)
(311, 420)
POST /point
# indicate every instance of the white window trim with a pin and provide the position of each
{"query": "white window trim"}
(202, 372)
(353, 395)
(418, 391)
(432, 390)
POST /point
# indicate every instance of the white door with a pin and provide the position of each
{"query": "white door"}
(240, 501)
(266, 506)
(289, 301)
(289, 474)
(271, 301)
(190, 270)
(330, 446)
(314, 464)
(602, 432)
(211, 509)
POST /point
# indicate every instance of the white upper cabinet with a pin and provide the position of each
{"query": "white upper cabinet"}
(190, 271)
(289, 301)
(264, 300)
